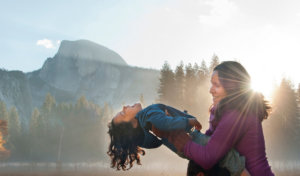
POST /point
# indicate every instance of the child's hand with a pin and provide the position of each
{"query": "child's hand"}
(167, 113)
(195, 123)
(245, 173)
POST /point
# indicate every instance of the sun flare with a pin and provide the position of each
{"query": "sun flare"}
(262, 86)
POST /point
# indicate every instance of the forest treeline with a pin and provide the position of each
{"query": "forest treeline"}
(58, 132)
(187, 87)
(69, 132)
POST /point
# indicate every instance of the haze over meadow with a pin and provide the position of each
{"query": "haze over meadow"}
(262, 35)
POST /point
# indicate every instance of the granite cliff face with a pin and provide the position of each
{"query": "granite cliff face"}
(80, 68)
(87, 50)
(15, 91)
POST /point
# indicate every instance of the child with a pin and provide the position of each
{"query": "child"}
(133, 128)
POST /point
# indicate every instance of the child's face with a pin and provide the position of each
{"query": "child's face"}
(127, 114)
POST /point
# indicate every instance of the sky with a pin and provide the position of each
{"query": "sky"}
(261, 34)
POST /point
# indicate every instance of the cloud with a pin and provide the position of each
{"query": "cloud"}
(221, 11)
(46, 43)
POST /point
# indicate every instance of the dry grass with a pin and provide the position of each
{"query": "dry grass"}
(149, 168)
(114, 173)
(92, 173)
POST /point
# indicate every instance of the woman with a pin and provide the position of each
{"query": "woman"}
(235, 122)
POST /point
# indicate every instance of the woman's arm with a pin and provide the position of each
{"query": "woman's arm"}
(228, 132)
(195, 123)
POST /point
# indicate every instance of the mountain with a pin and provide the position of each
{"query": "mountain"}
(87, 50)
(15, 91)
(79, 68)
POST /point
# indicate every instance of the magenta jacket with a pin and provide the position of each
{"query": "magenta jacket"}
(244, 133)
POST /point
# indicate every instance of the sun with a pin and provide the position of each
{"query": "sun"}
(263, 86)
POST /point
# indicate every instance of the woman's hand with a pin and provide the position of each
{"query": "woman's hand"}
(159, 133)
(195, 123)
(245, 173)
(179, 139)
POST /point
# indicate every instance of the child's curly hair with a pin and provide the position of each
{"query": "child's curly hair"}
(123, 149)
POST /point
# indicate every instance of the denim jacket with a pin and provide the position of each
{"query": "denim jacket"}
(155, 115)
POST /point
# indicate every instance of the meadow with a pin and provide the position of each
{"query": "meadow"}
(280, 168)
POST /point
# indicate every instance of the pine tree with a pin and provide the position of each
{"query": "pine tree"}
(214, 62)
(107, 113)
(14, 132)
(51, 123)
(284, 122)
(203, 98)
(34, 120)
(48, 113)
(82, 103)
(14, 124)
(35, 132)
(3, 111)
(203, 72)
(106, 117)
(166, 86)
(179, 86)
(191, 87)
(49, 104)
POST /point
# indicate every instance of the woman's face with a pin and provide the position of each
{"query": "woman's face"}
(217, 90)
(127, 114)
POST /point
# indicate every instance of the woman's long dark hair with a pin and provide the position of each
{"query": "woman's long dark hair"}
(123, 148)
(237, 84)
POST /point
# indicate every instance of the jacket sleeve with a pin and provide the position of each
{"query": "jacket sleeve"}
(229, 130)
(175, 112)
(161, 121)
(150, 141)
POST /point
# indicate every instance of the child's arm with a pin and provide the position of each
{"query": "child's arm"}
(163, 122)
(192, 121)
